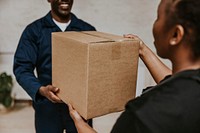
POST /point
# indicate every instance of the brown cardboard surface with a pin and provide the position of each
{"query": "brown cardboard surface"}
(96, 72)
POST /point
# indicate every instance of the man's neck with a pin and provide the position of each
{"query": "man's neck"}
(60, 19)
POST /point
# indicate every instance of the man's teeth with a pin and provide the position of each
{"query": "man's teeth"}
(64, 5)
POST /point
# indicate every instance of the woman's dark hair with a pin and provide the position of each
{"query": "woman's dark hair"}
(187, 14)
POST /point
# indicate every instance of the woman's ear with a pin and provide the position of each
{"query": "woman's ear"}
(177, 35)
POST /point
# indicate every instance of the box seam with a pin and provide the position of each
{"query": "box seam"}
(87, 82)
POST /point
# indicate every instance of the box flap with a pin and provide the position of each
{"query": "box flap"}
(114, 38)
(83, 37)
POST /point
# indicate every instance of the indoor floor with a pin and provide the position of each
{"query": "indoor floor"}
(20, 119)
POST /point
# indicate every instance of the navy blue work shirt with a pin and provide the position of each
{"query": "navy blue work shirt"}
(34, 52)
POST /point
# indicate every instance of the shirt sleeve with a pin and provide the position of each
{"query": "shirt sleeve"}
(25, 61)
(128, 122)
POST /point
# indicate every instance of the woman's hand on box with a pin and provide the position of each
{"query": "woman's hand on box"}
(135, 37)
(155, 66)
(81, 125)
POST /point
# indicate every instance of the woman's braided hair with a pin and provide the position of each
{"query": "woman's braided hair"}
(187, 14)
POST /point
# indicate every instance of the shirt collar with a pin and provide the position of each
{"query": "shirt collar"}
(72, 26)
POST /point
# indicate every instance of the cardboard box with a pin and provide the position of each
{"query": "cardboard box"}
(96, 72)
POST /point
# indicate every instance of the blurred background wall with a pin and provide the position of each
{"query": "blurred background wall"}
(112, 16)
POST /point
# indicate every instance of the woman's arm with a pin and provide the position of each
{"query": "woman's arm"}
(155, 66)
(81, 125)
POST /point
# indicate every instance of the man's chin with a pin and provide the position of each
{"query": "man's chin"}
(64, 15)
(64, 12)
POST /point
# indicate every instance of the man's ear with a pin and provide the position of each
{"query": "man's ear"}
(177, 35)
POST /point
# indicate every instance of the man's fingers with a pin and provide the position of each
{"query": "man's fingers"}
(53, 89)
(54, 98)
